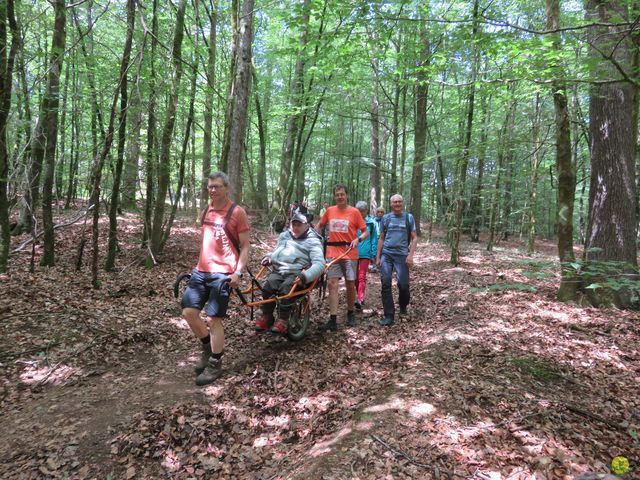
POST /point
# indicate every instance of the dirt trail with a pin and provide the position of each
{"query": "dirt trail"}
(488, 377)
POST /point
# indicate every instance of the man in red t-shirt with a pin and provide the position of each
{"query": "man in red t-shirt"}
(223, 255)
(342, 222)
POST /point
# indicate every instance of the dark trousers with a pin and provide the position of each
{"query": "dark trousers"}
(389, 263)
(274, 285)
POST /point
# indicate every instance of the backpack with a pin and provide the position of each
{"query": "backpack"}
(234, 241)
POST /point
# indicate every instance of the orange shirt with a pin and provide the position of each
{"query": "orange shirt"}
(343, 226)
(217, 254)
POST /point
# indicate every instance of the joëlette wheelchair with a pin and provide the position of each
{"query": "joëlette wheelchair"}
(251, 297)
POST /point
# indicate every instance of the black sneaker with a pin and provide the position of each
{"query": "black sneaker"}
(386, 321)
(330, 325)
(358, 306)
(403, 310)
(351, 319)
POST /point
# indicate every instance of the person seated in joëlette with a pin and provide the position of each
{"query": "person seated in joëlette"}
(297, 259)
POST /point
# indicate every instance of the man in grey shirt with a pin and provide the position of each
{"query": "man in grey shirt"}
(396, 246)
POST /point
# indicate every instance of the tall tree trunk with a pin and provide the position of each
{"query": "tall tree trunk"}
(164, 164)
(611, 249)
(75, 141)
(150, 157)
(98, 164)
(49, 113)
(420, 134)
(456, 231)
(476, 213)
(564, 166)
(293, 122)
(535, 163)
(112, 242)
(7, 15)
(130, 174)
(261, 181)
(207, 144)
(228, 114)
(375, 177)
(183, 154)
(241, 94)
(62, 154)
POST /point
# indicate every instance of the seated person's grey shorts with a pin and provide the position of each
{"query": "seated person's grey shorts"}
(343, 268)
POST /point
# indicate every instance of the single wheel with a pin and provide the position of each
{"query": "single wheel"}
(180, 285)
(299, 319)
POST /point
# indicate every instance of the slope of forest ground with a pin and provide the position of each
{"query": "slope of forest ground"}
(487, 377)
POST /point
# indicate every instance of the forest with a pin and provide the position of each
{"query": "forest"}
(510, 127)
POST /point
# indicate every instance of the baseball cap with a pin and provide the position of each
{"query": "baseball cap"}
(299, 217)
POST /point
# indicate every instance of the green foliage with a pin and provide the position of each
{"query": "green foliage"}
(537, 369)
(500, 287)
(612, 276)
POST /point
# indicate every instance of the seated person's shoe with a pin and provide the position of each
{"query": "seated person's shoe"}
(386, 321)
(351, 319)
(264, 323)
(280, 327)
(330, 325)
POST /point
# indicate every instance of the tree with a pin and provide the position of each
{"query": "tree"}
(611, 251)
(7, 60)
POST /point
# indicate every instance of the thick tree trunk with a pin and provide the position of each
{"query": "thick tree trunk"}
(164, 164)
(49, 113)
(112, 242)
(611, 251)
(476, 213)
(241, 95)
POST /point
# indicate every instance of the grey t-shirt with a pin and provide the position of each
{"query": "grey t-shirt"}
(397, 237)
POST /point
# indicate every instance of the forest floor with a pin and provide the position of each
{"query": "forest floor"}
(488, 377)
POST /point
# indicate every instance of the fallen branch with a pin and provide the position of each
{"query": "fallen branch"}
(578, 328)
(55, 227)
(593, 416)
(411, 460)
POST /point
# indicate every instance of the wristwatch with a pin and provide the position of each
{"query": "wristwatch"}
(239, 274)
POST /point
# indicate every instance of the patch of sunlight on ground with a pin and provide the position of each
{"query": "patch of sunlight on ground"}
(321, 448)
(179, 323)
(453, 336)
(415, 408)
(53, 376)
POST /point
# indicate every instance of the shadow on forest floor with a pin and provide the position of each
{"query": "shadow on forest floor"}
(487, 377)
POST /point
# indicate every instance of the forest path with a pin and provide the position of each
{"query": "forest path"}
(487, 375)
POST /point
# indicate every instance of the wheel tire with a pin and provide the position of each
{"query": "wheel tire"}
(299, 319)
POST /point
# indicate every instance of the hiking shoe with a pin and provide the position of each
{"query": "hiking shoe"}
(264, 323)
(358, 306)
(211, 372)
(330, 325)
(204, 359)
(280, 327)
(403, 310)
(351, 319)
(386, 321)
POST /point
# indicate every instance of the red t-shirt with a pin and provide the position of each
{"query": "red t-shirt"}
(218, 254)
(343, 226)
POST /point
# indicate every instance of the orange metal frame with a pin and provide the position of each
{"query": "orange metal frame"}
(293, 293)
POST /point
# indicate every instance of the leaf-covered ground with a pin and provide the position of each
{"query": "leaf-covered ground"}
(488, 377)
